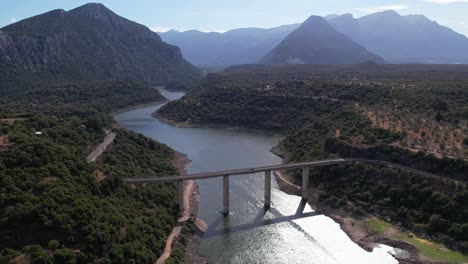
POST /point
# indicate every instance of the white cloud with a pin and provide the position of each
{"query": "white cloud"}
(13, 20)
(160, 29)
(446, 1)
(383, 8)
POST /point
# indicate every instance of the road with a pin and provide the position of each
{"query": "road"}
(101, 147)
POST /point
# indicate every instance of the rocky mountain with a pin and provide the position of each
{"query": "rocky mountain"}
(404, 39)
(91, 42)
(238, 46)
(317, 42)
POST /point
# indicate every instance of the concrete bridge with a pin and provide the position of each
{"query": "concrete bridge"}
(226, 174)
(305, 166)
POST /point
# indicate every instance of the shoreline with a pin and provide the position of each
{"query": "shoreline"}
(348, 223)
(187, 124)
(191, 200)
(133, 107)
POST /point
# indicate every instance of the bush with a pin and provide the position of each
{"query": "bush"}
(53, 244)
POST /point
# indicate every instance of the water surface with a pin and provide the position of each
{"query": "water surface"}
(290, 232)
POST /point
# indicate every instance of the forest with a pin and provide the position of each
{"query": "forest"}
(55, 207)
(322, 116)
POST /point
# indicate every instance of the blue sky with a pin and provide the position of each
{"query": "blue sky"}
(216, 15)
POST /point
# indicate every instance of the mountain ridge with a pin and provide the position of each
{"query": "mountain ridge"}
(404, 39)
(317, 42)
(237, 46)
(399, 52)
(92, 42)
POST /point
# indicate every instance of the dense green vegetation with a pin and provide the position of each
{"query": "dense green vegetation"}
(55, 207)
(430, 207)
(50, 194)
(39, 93)
(319, 111)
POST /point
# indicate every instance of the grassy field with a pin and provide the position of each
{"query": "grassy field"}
(428, 250)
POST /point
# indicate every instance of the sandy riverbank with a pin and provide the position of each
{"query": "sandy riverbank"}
(191, 204)
(348, 223)
(191, 201)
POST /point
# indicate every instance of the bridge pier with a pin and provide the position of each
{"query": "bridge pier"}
(180, 194)
(305, 183)
(268, 188)
(225, 210)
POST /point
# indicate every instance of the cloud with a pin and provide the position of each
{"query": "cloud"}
(446, 1)
(386, 7)
(13, 20)
(160, 29)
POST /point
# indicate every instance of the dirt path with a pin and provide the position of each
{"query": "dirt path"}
(188, 187)
(167, 249)
(101, 147)
(180, 161)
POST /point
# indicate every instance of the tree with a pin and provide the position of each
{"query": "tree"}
(64, 256)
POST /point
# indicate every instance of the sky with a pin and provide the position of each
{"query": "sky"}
(216, 15)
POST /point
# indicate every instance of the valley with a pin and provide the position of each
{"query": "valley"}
(91, 99)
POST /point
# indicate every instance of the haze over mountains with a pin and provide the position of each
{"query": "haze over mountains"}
(92, 42)
(395, 38)
(317, 42)
(404, 39)
(238, 46)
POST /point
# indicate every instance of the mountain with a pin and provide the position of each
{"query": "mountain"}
(92, 42)
(317, 42)
(238, 46)
(404, 39)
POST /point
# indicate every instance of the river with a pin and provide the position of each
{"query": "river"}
(249, 234)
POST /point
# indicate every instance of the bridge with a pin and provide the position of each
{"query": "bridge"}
(226, 174)
(305, 166)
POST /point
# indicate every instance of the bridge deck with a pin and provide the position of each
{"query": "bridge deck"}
(274, 167)
(238, 171)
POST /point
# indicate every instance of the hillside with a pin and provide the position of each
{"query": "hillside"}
(57, 208)
(54, 206)
(238, 46)
(317, 42)
(404, 39)
(92, 43)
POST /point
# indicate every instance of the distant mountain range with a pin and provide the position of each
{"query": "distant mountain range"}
(239, 46)
(404, 39)
(317, 42)
(395, 38)
(92, 42)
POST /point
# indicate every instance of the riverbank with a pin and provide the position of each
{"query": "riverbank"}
(191, 201)
(128, 108)
(188, 124)
(357, 229)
